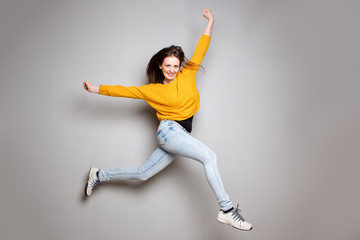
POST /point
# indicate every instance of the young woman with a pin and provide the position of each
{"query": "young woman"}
(173, 94)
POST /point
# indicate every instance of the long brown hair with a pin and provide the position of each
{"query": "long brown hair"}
(154, 73)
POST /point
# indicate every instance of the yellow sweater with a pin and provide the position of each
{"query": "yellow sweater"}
(178, 100)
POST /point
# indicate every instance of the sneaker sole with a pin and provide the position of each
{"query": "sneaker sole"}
(86, 189)
(87, 183)
(223, 222)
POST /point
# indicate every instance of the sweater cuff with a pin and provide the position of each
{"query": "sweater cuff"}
(101, 90)
(206, 36)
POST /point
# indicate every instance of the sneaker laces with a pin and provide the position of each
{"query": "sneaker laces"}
(236, 215)
(94, 182)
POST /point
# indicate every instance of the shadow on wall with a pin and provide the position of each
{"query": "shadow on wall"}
(112, 108)
(132, 185)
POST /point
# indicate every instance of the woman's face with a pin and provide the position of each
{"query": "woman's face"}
(170, 68)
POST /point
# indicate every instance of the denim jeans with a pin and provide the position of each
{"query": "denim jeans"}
(174, 140)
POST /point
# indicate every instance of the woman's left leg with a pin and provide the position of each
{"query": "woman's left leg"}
(174, 139)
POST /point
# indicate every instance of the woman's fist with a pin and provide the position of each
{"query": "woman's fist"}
(208, 14)
(90, 88)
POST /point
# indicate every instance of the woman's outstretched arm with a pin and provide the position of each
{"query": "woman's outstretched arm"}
(210, 17)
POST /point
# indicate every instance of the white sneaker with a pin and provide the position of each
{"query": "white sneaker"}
(92, 181)
(233, 218)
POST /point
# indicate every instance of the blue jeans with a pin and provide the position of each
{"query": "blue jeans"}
(174, 140)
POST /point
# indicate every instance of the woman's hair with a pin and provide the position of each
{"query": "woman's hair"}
(154, 73)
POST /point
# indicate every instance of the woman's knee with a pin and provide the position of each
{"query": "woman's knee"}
(143, 176)
(210, 157)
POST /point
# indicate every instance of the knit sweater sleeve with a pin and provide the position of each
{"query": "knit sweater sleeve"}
(142, 92)
(201, 49)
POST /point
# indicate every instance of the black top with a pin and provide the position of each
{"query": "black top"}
(187, 124)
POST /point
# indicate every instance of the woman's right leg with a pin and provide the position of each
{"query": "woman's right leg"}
(158, 160)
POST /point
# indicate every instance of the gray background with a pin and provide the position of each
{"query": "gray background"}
(280, 107)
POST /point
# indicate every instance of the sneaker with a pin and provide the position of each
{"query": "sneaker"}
(234, 219)
(92, 181)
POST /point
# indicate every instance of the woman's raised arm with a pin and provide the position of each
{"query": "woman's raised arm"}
(210, 17)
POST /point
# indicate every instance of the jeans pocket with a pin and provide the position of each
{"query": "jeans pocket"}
(161, 138)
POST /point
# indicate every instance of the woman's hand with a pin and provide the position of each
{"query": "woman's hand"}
(90, 88)
(209, 16)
